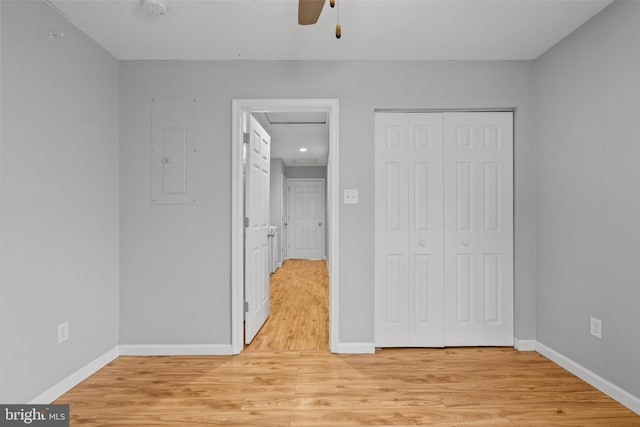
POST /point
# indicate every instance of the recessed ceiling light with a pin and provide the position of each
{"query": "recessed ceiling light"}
(302, 150)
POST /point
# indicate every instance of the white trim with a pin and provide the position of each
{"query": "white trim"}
(175, 350)
(76, 378)
(240, 108)
(622, 396)
(524, 345)
(333, 224)
(355, 348)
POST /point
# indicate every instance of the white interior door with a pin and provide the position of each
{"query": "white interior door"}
(257, 209)
(478, 228)
(305, 218)
(409, 230)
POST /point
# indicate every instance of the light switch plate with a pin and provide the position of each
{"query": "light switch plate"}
(351, 197)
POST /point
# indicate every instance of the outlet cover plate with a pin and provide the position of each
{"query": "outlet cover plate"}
(63, 332)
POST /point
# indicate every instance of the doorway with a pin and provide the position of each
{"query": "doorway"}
(241, 110)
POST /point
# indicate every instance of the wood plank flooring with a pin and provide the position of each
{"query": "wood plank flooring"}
(299, 317)
(394, 387)
(288, 378)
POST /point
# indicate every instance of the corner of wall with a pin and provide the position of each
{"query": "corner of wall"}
(617, 393)
(60, 388)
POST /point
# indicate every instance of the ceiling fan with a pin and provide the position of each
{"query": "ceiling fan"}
(309, 12)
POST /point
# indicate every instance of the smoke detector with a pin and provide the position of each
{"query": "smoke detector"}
(155, 7)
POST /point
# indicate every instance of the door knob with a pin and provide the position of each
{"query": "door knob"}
(421, 243)
(465, 243)
(319, 224)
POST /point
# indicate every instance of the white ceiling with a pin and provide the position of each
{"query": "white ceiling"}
(297, 130)
(371, 29)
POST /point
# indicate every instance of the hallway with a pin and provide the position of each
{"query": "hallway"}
(299, 318)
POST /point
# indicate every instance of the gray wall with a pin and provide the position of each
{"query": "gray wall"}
(588, 109)
(175, 268)
(306, 172)
(277, 216)
(277, 172)
(59, 200)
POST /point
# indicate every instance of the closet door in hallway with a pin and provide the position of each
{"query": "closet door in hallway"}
(305, 218)
(443, 229)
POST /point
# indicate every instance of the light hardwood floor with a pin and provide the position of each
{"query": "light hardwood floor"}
(399, 387)
(299, 317)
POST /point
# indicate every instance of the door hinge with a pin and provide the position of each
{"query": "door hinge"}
(246, 221)
(246, 306)
(245, 138)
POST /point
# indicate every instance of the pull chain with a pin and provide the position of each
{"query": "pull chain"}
(338, 27)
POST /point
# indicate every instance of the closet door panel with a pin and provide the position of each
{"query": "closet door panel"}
(425, 230)
(478, 208)
(408, 206)
(391, 230)
(495, 215)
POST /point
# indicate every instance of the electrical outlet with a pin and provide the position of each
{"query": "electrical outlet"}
(596, 327)
(63, 332)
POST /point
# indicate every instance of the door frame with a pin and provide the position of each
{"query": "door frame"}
(284, 234)
(240, 110)
(323, 249)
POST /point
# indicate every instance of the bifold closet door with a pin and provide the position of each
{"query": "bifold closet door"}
(478, 228)
(443, 229)
(409, 230)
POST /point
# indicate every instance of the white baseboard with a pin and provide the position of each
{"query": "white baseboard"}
(624, 397)
(100, 362)
(176, 350)
(355, 348)
(76, 378)
(525, 345)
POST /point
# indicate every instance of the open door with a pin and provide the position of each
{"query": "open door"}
(256, 246)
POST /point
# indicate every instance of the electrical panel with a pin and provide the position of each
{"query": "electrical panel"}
(173, 151)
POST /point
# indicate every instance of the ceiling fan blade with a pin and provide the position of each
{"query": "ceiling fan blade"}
(309, 11)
